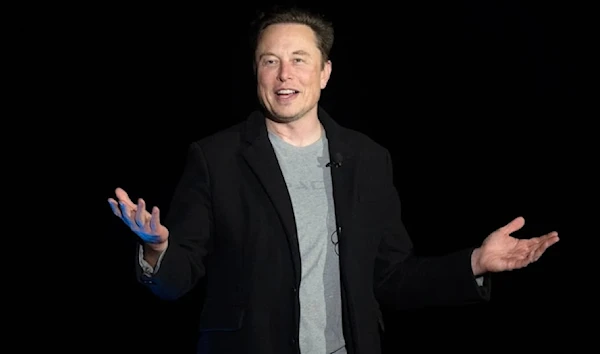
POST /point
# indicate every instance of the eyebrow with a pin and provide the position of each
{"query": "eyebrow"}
(301, 52)
(297, 52)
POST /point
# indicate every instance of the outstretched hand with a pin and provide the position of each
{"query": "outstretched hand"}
(143, 223)
(501, 252)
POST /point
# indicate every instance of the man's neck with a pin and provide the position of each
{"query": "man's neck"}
(302, 132)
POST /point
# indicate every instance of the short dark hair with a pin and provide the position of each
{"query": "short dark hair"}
(322, 28)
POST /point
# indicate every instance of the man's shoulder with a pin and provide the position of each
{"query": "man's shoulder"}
(221, 140)
(224, 136)
(363, 143)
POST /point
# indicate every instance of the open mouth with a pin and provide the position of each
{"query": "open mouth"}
(286, 93)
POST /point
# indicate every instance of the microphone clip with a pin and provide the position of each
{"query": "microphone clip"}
(336, 161)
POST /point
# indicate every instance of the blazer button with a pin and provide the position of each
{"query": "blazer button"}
(294, 290)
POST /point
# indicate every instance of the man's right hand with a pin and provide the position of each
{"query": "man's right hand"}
(144, 224)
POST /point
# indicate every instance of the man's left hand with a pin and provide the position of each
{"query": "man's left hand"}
(501, 252)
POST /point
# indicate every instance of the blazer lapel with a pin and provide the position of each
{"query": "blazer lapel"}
(261, 158)
(343, 174)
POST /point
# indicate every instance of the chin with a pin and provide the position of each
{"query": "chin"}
(281, 116)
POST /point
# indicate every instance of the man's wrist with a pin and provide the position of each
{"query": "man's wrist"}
(476, 262)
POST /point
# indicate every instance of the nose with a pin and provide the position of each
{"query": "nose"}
(284, 71)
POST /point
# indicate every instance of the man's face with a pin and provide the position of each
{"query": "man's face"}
(290, 71)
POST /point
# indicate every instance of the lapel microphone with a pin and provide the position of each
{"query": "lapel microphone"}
(336, 161)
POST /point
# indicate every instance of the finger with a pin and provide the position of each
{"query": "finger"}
(514, 225)
(543, 243)
(127, 214)
(549, 240)
(549, 236)
(139, 214)
(124, 197)
(155, 220)
(114, 206)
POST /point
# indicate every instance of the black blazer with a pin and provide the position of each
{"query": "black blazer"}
(231, 221)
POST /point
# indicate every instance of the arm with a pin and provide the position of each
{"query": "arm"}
(404, 280)
(189, 221)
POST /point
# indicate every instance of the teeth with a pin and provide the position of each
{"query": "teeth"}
(285, 92)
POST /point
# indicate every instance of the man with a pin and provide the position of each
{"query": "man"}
(294, 221)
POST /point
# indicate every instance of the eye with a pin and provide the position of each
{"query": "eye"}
(269, 62)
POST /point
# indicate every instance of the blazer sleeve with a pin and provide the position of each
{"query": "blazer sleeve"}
(189, 222)
(405, 281)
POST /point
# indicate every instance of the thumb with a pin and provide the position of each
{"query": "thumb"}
(514, 225)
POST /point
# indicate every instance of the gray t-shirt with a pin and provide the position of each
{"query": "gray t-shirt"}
(309, 184)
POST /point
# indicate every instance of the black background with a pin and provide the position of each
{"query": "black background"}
(475, 100)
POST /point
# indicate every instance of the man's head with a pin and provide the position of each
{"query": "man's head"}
(291, 61)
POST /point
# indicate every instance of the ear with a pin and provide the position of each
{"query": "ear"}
(325, 74)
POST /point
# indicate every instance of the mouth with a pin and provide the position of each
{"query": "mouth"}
(285, 94)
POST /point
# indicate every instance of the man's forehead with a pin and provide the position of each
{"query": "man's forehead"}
(288, 32)
(299, 39)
